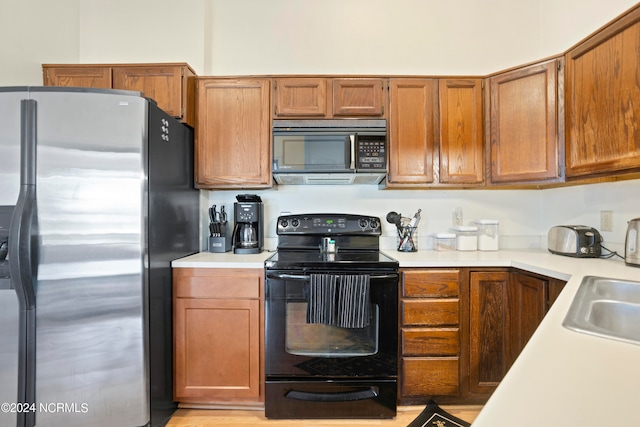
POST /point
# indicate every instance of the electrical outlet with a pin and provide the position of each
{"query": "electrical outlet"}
(457, 217)
(606, 220)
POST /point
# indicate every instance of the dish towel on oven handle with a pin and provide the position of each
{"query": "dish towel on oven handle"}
(339, 299)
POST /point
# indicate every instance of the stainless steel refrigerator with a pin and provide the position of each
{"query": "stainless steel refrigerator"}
(96, 199)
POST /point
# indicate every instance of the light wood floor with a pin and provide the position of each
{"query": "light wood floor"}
(242, 418)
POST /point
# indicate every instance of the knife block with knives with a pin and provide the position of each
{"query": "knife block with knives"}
(219, 235)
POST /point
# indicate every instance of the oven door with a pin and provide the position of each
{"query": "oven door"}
(297, 348)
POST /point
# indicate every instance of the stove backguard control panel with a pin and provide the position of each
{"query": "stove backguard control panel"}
(328, 224)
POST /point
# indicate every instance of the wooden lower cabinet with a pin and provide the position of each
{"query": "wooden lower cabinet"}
(218, 330)
(527, 307)
(505, 308)
(430, 334)
(430, 376)
(461, 329)
(488, 327)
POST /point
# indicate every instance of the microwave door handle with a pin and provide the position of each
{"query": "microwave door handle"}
(352, 164)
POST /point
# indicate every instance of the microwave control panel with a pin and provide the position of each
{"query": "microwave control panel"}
(371, 153)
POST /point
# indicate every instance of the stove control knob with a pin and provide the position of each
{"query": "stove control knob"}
(363, 223)
(295, 223)
(374, 224)
(284, 223)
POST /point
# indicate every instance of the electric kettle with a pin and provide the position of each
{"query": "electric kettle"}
(632, 243)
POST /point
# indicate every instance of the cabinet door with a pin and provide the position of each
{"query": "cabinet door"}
(80, 76)
(301, 97)
(527, 307)
(524, 128)
(430, 376)
(358, 97)
(461, 135)
(488, 326)
(163, 84)
(217, 348)
(233, 136)
(411, 130)
(555, 287)
(603, 100)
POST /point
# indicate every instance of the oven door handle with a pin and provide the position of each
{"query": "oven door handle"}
(284, 276)
(369, 393)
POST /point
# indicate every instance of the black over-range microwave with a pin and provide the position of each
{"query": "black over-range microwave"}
(347, 151)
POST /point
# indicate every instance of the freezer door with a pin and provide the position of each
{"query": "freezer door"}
(9, 189)
(91, 316)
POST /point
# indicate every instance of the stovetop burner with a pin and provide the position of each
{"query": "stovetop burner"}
(356, 238)
(340, 259)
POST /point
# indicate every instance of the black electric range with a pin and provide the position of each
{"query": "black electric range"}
(329, 266)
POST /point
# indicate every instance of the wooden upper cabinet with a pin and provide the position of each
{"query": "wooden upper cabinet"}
(358, 97)
(300, 97)
(603, 100)
(461, 132)
(77, 76)
(170, 85)
(411, 131)
(167, 85)
(323, 98)
(523, 124)
(233, 133)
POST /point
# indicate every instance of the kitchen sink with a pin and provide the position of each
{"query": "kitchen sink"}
(608, 308)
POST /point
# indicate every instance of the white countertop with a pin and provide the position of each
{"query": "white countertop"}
(561, 378)
(222, 260)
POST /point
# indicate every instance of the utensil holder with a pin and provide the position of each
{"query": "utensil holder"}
(407, 239)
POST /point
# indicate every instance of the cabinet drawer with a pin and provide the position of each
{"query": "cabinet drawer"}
(430, 376)
(431, 283)
(430, 342)
(430, 312)
(207, 283)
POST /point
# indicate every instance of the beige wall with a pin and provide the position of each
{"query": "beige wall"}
(396, 37)
(33, 32)
(220, 37)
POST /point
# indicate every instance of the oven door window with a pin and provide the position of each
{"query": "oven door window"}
(325, 340)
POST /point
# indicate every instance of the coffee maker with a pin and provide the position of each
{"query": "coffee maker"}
(248, 233)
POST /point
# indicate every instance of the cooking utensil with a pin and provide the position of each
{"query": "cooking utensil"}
(394, 218)
(406, 228)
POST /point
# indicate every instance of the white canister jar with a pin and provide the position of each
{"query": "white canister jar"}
(487, 234)
(445, 242)
(466, 238)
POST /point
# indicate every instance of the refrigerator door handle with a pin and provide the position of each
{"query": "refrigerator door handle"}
(22, 232)
(23, 235)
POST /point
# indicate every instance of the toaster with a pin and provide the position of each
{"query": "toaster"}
(577, 241)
